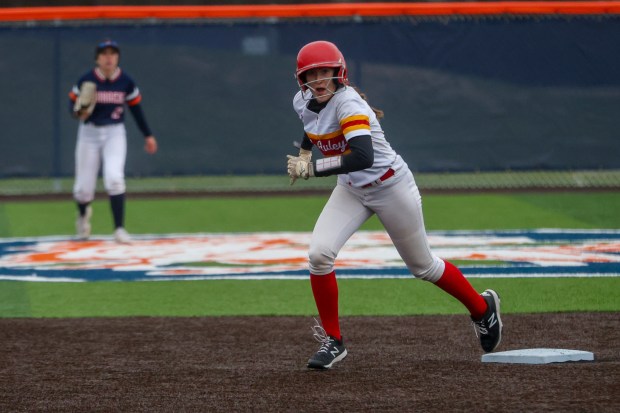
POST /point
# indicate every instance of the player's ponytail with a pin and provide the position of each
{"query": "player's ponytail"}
(378, 112)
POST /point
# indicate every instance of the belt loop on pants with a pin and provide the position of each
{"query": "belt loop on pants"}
(388, 174)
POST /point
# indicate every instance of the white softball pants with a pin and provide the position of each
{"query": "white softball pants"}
(97, 144)
(398, 205)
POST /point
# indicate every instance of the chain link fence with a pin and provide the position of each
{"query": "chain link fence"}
(279, 184)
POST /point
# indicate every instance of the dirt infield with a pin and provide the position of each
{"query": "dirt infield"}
(425, 363)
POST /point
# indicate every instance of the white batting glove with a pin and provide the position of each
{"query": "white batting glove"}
(304, 156)
(297, 167)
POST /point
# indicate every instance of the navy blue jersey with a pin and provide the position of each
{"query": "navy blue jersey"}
(112, 95)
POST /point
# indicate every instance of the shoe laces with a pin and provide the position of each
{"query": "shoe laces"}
(480, 327)
(321, 336)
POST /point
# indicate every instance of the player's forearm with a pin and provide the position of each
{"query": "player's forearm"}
(361, 157)
(306, 143)
(138, 115)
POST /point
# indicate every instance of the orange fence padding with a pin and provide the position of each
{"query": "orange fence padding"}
(308, 10)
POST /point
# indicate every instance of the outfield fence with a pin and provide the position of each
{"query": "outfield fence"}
(608, 180)
(477, 95)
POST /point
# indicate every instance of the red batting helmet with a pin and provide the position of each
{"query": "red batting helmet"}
(320, 54)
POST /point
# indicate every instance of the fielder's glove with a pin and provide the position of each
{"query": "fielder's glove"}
(300, 166)
(86, 101)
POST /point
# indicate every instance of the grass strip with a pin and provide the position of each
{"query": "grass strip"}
(294, 297)
(299, 213)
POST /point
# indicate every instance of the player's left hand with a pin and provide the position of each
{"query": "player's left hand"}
(150, 145)
(84, 104)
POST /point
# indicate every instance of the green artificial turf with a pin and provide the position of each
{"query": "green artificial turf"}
(298, 213)
(294, 297)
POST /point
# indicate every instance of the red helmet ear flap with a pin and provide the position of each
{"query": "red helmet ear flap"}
(320, 54)
(342, 75)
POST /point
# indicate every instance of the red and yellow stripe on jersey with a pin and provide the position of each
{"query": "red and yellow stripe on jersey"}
(335, 143)
(355, 123)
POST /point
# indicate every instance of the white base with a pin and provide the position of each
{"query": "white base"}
(537, 356)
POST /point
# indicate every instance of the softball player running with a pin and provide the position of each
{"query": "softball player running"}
(372, 179)
(98, 100)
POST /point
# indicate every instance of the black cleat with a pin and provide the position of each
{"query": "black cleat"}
(489, 328)
(331, 351)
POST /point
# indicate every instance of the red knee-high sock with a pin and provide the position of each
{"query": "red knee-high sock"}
(454, 283)
(325, 290)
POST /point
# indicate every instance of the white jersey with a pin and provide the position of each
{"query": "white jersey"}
(346, 116)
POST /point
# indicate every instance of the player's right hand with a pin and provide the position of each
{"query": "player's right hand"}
(290, 168)
(81, 114)
(299, 167)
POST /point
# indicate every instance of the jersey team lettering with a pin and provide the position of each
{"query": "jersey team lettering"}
(332, 148)
(330, 144)
(117, 98)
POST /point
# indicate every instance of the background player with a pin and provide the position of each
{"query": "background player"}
(372, 179)
(101, 136)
